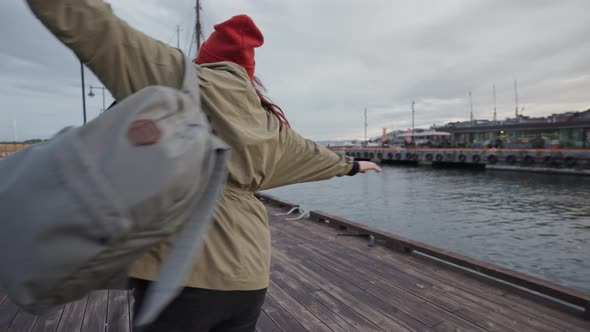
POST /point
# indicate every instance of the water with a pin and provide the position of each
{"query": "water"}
(537, 224)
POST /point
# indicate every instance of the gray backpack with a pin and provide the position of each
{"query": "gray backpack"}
(78, 209)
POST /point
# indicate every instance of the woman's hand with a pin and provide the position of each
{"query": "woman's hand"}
(365, 166)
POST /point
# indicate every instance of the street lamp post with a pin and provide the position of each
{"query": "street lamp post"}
(413, 142)
(83, 93)
(91, 94)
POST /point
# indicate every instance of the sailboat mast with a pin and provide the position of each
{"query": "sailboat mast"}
(516, 99)
(471, 108)
(495, 119)
(198, 27)
(413, 113)
(366, 125)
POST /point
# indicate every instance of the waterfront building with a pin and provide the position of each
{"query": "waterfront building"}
(565, 130)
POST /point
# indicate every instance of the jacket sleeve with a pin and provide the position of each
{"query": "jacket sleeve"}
(302, 160)
(123, 58)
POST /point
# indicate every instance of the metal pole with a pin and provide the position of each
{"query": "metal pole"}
(198, 29)
(413, 103)
(516, 99)
(365, 126)
(471, 108)
(83, 91)
(495, 118)
(178, 36)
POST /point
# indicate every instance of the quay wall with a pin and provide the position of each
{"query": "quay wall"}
(567, 161)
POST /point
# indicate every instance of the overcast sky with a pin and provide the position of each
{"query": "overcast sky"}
(324, 61)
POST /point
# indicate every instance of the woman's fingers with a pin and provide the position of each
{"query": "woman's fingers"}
(365, 166)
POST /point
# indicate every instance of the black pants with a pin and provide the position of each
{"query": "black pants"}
(204, 310)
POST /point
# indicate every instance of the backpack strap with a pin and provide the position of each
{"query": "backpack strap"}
(181, 258)
(190, 83)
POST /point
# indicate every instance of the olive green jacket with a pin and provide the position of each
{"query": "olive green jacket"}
(236, 252)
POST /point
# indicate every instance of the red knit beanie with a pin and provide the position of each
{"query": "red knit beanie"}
(233, 40)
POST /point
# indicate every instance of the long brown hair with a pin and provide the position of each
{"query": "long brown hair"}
(269, 105)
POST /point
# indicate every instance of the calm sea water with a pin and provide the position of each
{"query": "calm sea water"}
(538, 224)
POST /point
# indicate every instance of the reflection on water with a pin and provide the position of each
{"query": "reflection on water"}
(538, 224)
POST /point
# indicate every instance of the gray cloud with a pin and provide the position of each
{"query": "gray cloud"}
(323, 62)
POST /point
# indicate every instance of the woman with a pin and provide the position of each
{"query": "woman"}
(226, 288)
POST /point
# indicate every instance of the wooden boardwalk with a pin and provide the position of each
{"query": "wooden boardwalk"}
(324, 281)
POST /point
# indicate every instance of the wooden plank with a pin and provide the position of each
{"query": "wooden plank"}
(352, 246)
(298, 291)
(73, 314)
(449, 278)
(95, 314)
(281, 266)
(265, 324)
(506, 315)
(447, 327)
(49, 321)
(527, 320)
(372, 308)
(403, 244)
(338, 308)
(407, 274)
(486, 284)
(8, 312)
(293, 287)
(483, 321)
(362, 274)
(118, 311)
(475, 288)
(280, 316)
(414, 295)
(414, 306)
(508, 321)
(330, 318)
(398, 300)
(380, 320)
(23, 322)
(468, 290)
(347, 313)
(296, 310)
(330, 254)
(338, 254)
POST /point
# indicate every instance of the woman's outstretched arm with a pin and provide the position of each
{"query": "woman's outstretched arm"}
(123, 58)
(302, 160)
